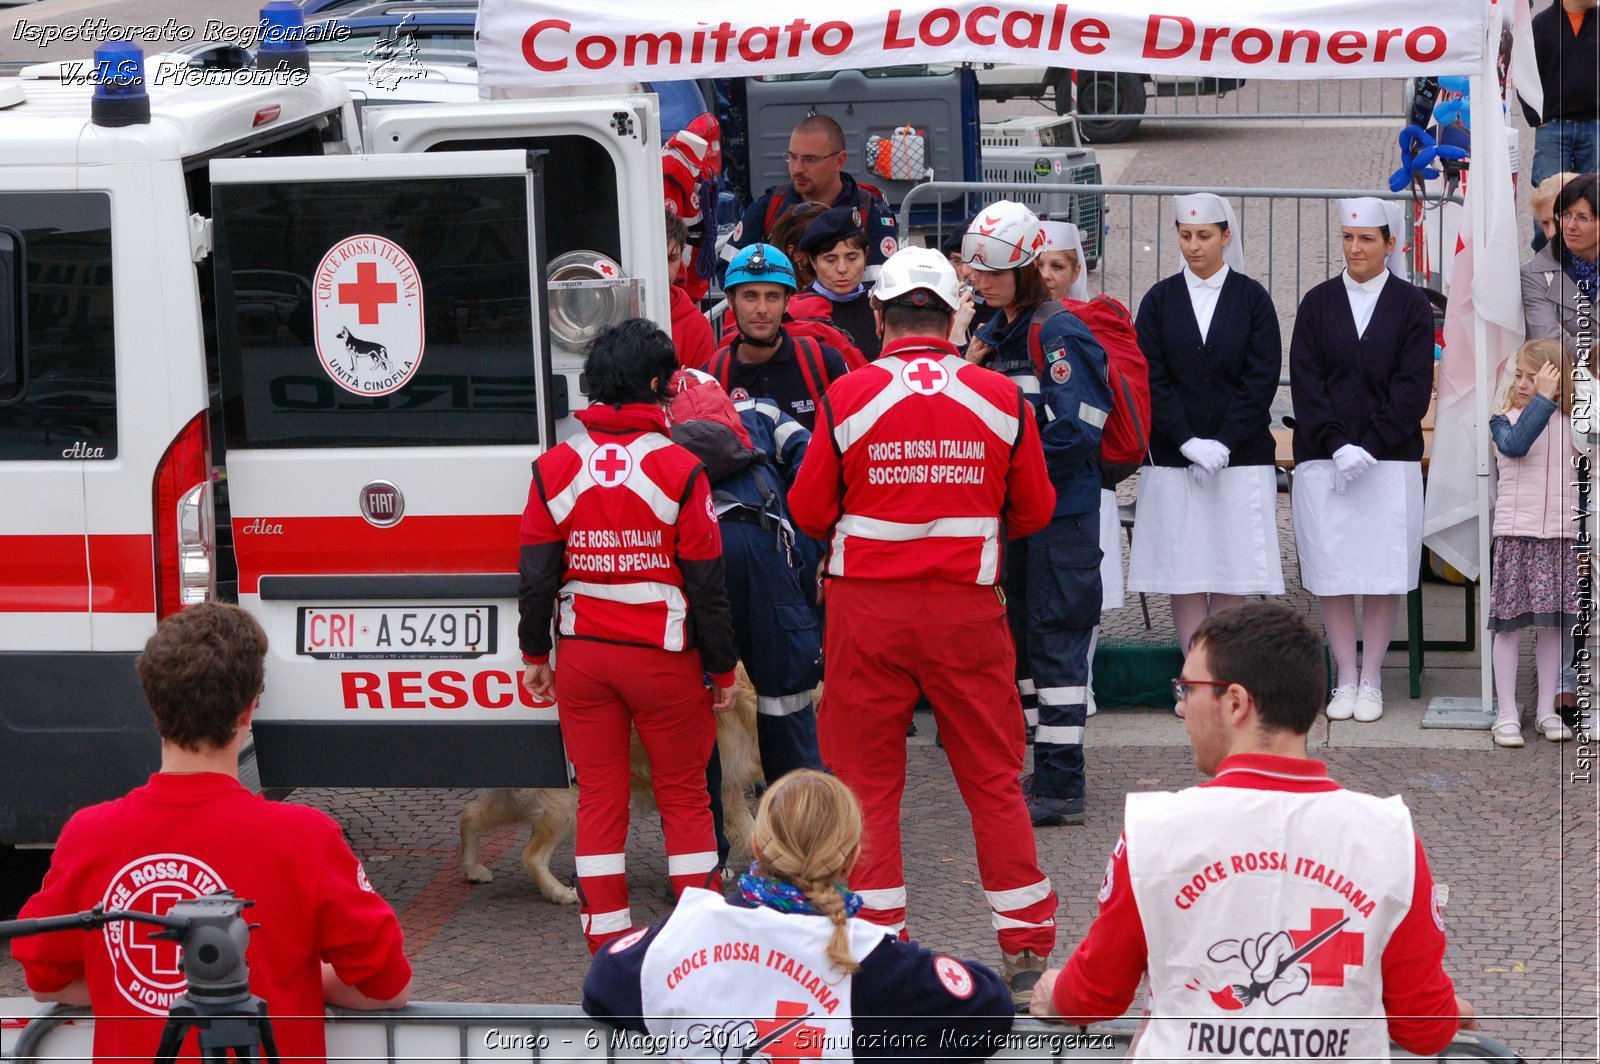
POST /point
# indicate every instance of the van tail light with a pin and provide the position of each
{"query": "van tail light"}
(185, 521)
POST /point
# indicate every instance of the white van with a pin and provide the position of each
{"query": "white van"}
(241, 357)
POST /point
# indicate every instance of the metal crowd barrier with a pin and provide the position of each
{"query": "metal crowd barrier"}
(1267, 98)
(437, 1031)
(1290, 235)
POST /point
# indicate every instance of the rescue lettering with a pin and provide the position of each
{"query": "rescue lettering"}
(1335, 881)
(680, 971)
(444, 689)
(1227, 1039)
(808, 980)
(1264, 861)
(920, 450)
(1205, 877)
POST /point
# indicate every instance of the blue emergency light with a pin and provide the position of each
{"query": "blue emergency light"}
(283, 38)
(119, 96)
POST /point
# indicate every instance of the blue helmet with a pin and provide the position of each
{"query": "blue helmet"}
(762, 263)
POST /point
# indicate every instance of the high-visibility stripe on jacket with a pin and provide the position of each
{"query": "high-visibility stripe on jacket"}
(619, 527)
(921, 466)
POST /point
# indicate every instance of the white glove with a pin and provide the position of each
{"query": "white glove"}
(1351, 461)
(1198, 474)
(1210, 455)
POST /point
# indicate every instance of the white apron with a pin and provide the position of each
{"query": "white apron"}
(726, 983)
(1367, 541)
(1235, 887)
(1220, 536)
(1111, 594)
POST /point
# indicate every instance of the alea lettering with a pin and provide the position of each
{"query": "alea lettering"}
(260, 526)
(81, 449)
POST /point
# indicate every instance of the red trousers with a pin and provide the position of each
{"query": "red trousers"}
(600, 689)
(888, 640)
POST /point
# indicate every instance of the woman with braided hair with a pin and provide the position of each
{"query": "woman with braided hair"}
(784, 969)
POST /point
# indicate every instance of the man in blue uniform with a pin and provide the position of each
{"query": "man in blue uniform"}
(779, 637)
(816, 159)
(764, 359)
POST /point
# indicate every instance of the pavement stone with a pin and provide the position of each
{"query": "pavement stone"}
(1512, 834)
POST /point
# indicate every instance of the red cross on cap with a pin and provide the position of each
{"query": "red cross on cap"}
(1327, 962)
(1193, 213)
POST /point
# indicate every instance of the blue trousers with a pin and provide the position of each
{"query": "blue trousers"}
(1563, 145)
(780, 643)
(1060, 580)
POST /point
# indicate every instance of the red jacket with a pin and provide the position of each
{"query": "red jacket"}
(921, 466)
(691, 332)
(620, 524)
(186, 834)
(1103, 974)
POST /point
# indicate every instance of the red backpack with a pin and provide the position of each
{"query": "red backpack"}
(1125, 439)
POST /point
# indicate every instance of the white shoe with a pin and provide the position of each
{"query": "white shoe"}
(1555, 729)
(1343, 704)
(1088, 702)
(1369, 703)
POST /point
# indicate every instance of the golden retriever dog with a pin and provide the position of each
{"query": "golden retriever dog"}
(552, 813)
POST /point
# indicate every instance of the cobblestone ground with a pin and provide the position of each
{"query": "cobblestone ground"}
(1507, 834)
(1512, 834)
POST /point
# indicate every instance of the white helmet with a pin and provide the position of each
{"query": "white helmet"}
(917, 270)
(1004, 236)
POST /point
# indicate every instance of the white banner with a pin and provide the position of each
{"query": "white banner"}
(533, 43)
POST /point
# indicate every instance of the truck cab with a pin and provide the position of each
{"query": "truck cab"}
(254, 346)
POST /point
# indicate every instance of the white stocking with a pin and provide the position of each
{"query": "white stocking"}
(1378, 616)
(1220, 602)
(1506, 646)
(1339, 621)
(1547, 663)
(1187, 613)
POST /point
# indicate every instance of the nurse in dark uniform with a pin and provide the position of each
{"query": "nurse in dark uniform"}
(1206, 529)
(1361, 376)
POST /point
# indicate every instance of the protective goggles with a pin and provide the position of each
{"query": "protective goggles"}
(984, 252)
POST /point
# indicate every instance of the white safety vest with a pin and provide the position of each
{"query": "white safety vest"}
(727, 983)
(1266, 914)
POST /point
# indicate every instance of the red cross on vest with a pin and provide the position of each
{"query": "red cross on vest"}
(610, 465)
(798, 1039)
(156, 957)
(1329, 960)
(926, 377)
(367, 294)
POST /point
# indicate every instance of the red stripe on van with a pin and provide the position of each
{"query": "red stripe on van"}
(122, 570)
(52, 574)
(324, 546)
(44, 574)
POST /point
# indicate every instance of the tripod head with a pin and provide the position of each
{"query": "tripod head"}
(213, 936)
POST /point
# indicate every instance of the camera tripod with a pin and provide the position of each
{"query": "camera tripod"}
(217, 1004)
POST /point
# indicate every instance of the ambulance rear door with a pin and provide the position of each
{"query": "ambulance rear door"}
(606, 240)
(378, 459)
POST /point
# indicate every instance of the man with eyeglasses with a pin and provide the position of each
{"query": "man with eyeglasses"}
(816, 159)
(1275, 913)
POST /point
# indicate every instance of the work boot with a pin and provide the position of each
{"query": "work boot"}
(1020, 972)
(1053, 812)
